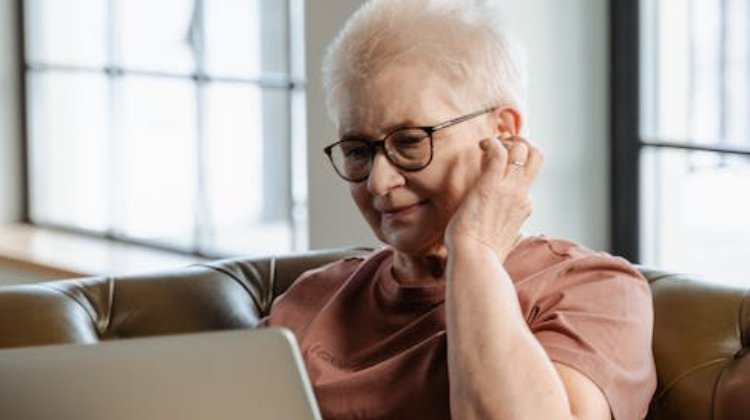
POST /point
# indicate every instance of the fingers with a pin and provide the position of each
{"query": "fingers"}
(514, 157)
(495, 156)
(524, 159)
(518, 155)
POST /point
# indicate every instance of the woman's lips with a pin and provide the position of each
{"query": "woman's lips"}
(398, 213)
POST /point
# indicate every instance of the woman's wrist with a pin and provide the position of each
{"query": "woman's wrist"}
(469, 246)
(465, 246)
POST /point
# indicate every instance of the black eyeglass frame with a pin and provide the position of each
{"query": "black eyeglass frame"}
(375, 144)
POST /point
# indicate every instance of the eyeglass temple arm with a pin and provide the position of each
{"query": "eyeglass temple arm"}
(459, 120)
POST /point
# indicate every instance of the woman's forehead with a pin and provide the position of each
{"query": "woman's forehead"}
(397, 97)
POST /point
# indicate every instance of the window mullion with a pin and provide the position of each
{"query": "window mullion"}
(298, 155)
(203, 230)
(23, 110)
(114, 138)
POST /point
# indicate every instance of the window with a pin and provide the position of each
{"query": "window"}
(681, 152)
(173, 123)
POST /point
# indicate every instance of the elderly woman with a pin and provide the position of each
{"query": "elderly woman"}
(459, 315)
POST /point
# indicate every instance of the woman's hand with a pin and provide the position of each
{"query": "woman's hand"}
(494, 209)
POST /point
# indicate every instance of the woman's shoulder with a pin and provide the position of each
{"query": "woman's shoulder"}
(334, 274)
(591, 311)
(314, 288)
(548, 256)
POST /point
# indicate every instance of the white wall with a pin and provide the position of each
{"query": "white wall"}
(567, 55)
(567, 52)
(334, 220)
(10, 157)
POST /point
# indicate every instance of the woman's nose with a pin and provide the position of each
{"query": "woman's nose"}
(384, 175)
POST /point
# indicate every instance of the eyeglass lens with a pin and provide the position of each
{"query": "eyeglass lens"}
(408, 149)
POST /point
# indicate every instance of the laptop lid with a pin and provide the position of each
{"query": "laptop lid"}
(245, 374)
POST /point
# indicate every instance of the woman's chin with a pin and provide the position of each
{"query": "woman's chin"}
(411, 243)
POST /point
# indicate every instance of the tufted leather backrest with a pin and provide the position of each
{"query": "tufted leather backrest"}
(700, 332)
(226, 294)
(700, 346)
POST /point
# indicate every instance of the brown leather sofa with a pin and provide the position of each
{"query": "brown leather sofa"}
(700, 335)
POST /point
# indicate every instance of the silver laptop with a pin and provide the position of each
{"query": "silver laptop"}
(246, 374)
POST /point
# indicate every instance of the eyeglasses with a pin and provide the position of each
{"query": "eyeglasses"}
(409, 149)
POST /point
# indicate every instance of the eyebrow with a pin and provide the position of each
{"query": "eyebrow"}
(358, 135)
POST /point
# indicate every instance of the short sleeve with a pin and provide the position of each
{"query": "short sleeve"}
(297, 306)
(595, 314)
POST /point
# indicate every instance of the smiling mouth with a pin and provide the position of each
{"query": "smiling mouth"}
(403, 211)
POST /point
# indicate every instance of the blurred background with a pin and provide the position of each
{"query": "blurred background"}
(141, 134)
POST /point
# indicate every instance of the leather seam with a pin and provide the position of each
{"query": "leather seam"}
(714, 404)
(271, 288)
(689, 372)
(235, 278)
(107, 322)
(87, 307)
(743, 343)
(661, 277)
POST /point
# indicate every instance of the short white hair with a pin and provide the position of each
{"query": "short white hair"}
(465, 41)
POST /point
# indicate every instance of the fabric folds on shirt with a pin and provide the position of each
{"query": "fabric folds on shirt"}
(376, 349)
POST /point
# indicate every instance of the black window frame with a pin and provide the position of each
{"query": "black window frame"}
(624, 125)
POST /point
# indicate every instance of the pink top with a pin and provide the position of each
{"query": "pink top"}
(376, 349)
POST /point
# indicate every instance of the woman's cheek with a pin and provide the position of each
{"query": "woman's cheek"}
(446, 197)
(361, 198)
(463, 171)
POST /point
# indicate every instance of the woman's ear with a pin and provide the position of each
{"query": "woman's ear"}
(508, 122)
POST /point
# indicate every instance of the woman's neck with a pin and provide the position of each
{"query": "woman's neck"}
(427, 267)
(420, 269)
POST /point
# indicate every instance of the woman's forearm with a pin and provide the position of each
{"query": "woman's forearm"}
(497, 368)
